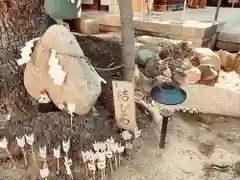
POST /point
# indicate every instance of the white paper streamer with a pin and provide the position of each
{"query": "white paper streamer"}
(66, 145)
(101, 156)
(96, 146)
(8, 117)
(44, 172)
(21, 141)
(78, 3)
(56, 152)
(92, 167)
(43, 151)
(109, 154)
(79, 12)
(101, 165)
(126, 135)
(71, 108)
(137, 133)
(53, 60)
(60, 78)
(99, 146)
(3, 143)
(114, 147)
(26, 52)
(120, 149)
(91, 156)
(30, 139)
(55, 69)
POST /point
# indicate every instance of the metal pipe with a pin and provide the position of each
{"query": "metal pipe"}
(163, 132)
(217, 11)
(166, 115)
(184, 11)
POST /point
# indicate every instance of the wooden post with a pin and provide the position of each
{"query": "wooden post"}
(217, 11)
(128, 40)
(124, 105)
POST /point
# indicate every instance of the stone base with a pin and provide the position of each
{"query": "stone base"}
(221, 99)
(208, 42)
(228, 46)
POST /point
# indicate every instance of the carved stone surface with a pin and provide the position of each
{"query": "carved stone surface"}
(82, 85)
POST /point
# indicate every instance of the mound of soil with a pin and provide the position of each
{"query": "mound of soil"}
(103, 54)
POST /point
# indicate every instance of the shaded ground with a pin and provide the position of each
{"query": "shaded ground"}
(192, 142)
(54, 127)
(103, 54)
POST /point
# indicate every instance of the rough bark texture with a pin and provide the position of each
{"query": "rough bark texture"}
(20, 21)
(128, 45)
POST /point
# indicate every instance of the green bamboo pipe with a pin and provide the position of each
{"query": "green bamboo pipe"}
(61, 9)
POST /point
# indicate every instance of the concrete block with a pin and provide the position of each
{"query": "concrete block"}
(114, 8)
(156, 40)
(221, 99)
(228, 46)
(199, 42)
(89, 26)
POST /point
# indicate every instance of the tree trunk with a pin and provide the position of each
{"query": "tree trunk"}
(128, 42)
(20, 21)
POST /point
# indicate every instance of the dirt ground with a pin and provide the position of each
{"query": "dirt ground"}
(192, 141)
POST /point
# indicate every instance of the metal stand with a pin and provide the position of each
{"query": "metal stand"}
(183, 12)
(167, 114)
(217, 11)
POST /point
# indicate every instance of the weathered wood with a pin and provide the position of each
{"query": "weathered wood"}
(124, 105)
(127, 33)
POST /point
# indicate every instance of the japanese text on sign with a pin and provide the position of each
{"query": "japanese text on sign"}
(124, 105)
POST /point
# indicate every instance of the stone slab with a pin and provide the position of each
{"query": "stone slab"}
(222, 99)
(192, 41)
(169, 27)
(230, 32)
(229, 37)
(228, 46)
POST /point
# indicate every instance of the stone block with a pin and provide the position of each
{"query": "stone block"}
(156, 40)
(222, 99)
(89, 26)
(81, 86)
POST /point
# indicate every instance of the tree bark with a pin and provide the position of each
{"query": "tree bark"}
(128, 42)
(20, 21)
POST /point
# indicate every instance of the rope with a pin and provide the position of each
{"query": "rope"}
(86, 58)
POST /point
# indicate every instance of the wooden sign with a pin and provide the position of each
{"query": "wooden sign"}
(124, 105)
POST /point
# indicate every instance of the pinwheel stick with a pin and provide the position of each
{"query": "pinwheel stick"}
(33, 156)
(24, 156)
(58, 165)
(11, 158)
